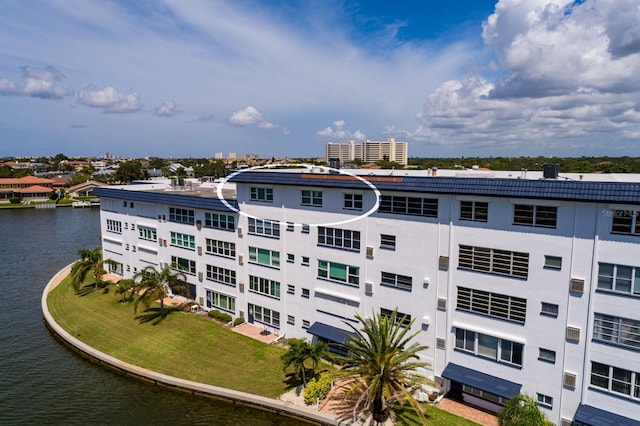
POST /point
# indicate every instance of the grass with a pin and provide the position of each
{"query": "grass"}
(406, 416)
(184, 345)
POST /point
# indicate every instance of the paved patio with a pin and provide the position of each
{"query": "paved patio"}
(257, 332)
(468, 412)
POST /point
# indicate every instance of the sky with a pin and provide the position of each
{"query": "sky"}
(191, 78)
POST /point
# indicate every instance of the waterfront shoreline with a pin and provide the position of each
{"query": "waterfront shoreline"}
(284, 408)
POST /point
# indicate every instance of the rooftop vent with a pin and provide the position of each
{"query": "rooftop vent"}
(550, 171)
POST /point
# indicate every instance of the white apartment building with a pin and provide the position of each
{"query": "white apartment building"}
(518, 285)
(368, 151)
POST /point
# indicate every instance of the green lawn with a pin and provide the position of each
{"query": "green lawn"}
(184, 345)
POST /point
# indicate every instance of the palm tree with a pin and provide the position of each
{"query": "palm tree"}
(90, 260)
(152, 285)
(298, 353)
(125, 289)
(319, 350)
(382, 364)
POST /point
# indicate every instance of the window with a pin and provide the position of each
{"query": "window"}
(185, 265)
(311, 198)
(261, 194)
(486, 346)
(538, 216)
(492, 304)
(115, 268)
(264, 286)
(305, 260)
(221, 301)
(484, 395)
(552, 262)
(488, 260)
(305, 293)
(183, 240)
(291, 320)
(550, 309)
(625, 222)
(616, 330)
(615, 380)
(403, 319)
(264, 257)
(388, 241)
(353, 201)
(547, 355)
(291, 257)
(339, 238)
(338, 272)
(264, 227)
(619, 278)
(290, 226)
(181, 215)
(291, 289)
(545, 400)
(476, 211)
(221, 275)
(149, 234)
(265, 315)
(305, 228)
(114, 226)
(402, 282)
(219, 221)
(220, 248)
(413, 206)
(306, 324)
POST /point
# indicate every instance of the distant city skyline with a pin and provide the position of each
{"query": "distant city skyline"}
(194, 78)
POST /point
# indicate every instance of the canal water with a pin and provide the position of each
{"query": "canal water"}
(41, 381)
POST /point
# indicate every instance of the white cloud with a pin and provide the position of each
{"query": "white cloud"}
(166, 109)
(110, 99)
(38, 83)
(568, 73)
(249, 116)
(338, 134)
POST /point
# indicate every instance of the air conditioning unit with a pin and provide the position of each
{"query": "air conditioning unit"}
(199, 276)
(443, 263)
(569, 380)
(368, 288)
(241, 287)
(442, 304)
(240, 231)
(441, 343)
(199, 250)
(164, 242)
(240, 259)
(201, 300)
(577, 285)
(566, 422)
(369, 251)
(573, 334)
(241, 314)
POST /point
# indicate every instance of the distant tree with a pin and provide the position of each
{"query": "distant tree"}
(152, 285)
(156, 163)
(6, 172)
(78, 178)
(90, 261)
(128, 171)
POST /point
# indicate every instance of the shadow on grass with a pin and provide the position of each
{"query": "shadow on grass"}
(153, 315)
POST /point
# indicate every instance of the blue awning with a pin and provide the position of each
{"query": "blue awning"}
(327, 332)
(596, 417)
(482, 381)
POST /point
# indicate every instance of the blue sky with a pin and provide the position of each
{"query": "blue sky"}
(189, 78)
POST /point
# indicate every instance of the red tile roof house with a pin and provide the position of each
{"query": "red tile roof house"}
(28, 188)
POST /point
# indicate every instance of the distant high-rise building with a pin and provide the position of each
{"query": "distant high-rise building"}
(368, 151)
(218, 156)
(232, 155)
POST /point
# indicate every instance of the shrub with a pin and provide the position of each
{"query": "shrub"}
(220, 316)
(238, 321)
(317, 388)
(14, 200)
